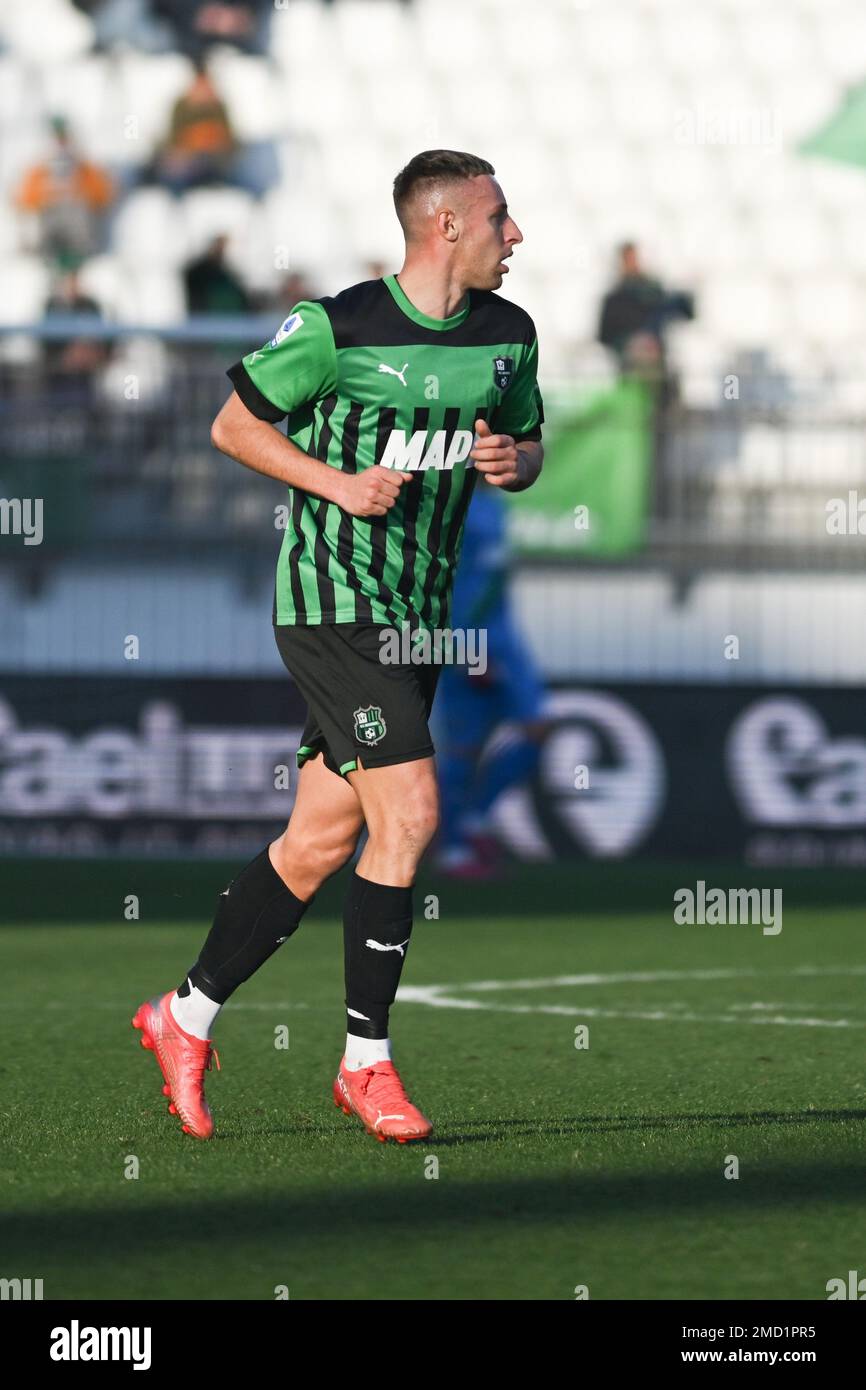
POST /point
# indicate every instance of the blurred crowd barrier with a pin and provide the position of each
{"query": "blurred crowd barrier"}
(110, 427)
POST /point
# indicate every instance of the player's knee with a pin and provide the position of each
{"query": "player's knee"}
(317, 857)
(334, 853)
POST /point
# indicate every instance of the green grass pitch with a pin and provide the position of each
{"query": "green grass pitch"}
(558, 1167)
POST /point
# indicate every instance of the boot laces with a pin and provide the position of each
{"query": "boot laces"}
(384, 1087)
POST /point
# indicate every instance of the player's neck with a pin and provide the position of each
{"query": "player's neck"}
(432, 292)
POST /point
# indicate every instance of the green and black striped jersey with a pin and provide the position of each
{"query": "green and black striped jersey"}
(365, 378)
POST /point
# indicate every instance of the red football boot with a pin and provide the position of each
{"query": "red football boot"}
(183, 1061)
(376, 1095)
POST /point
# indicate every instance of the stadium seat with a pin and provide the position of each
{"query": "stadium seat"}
(153, 298)
(25, 283)
(56, 32)
(377, 27)
(148, 87)
(209, 212)
(251, 91)
(149, 229)
(102, 278)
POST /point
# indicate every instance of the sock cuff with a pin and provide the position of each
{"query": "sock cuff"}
(383, 899)
(260, 878)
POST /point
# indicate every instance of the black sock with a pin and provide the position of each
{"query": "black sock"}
(377, 924)
(254, 916)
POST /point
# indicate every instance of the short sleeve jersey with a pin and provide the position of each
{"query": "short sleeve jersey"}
(365, 378)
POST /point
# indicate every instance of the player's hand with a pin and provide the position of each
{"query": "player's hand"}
(372, 492)
(495, 456)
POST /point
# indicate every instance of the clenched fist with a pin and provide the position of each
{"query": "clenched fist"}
(495, 456)
(372, 492)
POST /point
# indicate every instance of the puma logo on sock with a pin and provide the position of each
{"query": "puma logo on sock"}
(378, 946)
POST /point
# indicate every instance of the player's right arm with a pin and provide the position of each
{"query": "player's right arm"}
(260, 446)
(298, 366)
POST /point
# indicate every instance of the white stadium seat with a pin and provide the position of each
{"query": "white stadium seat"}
(149, 230)
(210, 212)
(45, 31)
(152, 298)
(25, 284)
(148, 87)
(102, 278)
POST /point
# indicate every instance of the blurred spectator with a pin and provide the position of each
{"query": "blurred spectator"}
(72, 360)
(191, 26)
(70, 197)
(212, 286)
(197, 25)
(635, 314)
(290, 291)
(201, 149)
(200, 144)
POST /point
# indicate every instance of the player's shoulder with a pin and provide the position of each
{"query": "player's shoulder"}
(355, 312)
(503, 316)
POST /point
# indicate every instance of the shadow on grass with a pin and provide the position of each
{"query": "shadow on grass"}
(616, 1124)
(501, 1130)
(102, 1233)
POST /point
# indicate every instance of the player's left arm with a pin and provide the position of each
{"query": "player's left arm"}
(509, 452)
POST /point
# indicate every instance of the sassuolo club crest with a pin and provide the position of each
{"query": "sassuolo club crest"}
(369, 724)
(503, 371)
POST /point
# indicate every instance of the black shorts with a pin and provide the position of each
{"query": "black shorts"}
(360, 708)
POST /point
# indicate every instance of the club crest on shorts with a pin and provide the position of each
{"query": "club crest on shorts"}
(370, 727)
(503, 371)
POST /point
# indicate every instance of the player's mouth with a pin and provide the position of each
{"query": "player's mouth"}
(502, 265)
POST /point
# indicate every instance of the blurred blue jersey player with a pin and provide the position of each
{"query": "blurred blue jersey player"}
(471, 706)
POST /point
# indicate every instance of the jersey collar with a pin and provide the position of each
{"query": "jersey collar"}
(408, 308)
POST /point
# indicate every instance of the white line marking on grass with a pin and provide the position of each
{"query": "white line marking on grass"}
(443, 997)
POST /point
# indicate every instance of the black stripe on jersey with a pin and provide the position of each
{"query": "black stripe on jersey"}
(321, 550)
(379, 524)
(456, 524)
(412, 505)
(346, 532)
(366, 315)
(450, 422)
(255, 402)
(297, 587)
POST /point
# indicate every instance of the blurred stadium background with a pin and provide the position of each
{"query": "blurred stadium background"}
(174, 175)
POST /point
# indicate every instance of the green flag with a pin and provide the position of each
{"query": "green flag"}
(591, 498)
(843, 138)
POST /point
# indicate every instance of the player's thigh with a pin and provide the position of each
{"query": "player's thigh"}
(400, 801)
(327, 814)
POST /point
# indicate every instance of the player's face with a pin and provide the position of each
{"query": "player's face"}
(489, 234)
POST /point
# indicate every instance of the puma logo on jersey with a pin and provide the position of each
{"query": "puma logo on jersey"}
(392, 371)
(377, 946)
(411, 455)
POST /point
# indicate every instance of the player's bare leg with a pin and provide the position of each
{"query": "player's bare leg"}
(322, 832)
(401, 807)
